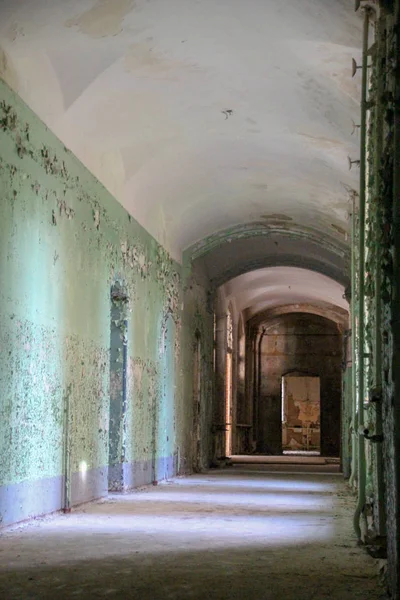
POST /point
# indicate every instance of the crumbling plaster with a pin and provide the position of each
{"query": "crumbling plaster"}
(64, 242)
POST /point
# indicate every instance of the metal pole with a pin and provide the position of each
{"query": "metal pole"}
(354, 420)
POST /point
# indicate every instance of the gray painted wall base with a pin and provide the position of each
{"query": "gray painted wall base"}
(89, 486)
(142, 472)
(30, 499)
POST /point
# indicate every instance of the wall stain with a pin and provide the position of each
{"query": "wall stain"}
(104, 19)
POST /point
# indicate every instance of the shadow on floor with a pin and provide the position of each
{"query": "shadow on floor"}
(257, 574)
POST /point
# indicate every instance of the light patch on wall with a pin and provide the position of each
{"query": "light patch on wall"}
(83, 469)
(104, 19)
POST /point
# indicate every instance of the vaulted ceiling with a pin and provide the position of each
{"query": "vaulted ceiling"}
(200, 116)
(260, 292)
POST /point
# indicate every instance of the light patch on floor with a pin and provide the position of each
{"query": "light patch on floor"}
(237, 533)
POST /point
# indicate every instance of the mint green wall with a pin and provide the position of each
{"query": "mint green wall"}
(63, 241)
(198, 316)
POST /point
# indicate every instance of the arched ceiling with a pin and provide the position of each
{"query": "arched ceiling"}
(327, 311)
(261, 291)
(197, 115)
(268, 244)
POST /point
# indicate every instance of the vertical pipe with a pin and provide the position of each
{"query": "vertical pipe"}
(346, 405)
(361, 283)
(354, 423)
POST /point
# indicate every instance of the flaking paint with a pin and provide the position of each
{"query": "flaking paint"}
(64, 242)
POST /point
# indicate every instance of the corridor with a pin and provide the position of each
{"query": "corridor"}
(199, 261)
(256, 532)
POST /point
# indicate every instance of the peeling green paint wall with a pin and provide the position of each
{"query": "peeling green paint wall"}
(381, 299)
(64, 241)
(197, 331)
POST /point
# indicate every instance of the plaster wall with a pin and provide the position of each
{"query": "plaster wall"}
(224, 303)
(64, 241)
(381, 287)
(197, 333)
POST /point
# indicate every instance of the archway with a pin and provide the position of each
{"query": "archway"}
(302, 345)
(197, 403)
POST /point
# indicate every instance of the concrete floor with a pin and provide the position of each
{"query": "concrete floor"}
(262, 532)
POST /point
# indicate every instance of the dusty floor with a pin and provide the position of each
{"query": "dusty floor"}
(261, 532)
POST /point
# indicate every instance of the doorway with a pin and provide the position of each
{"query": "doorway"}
(197, 404)
(228, 385)
(118, 388)
(301, 414)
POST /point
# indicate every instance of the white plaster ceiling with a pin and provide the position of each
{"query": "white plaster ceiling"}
(265, 289)
(137, 89)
